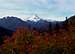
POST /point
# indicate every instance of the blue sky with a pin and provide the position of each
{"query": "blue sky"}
(54, 9)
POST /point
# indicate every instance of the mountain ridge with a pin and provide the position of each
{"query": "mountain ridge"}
(12, 23)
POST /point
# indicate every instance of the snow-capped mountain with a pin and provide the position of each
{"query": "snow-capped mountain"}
(12, 22)
(34, 18)
(32, 22)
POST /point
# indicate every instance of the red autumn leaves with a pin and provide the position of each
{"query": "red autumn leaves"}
(31, 41)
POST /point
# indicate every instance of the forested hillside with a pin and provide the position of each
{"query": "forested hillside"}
(58, 41)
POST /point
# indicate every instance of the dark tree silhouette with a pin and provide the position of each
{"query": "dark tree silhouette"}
(66, 21)
(66, 24)
(50, 27)
(57, 27)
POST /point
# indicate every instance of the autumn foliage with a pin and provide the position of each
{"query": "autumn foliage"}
(25, 41)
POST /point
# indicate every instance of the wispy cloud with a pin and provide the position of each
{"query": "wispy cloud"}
(47, 8)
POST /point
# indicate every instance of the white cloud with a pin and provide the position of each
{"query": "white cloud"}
(56, 8)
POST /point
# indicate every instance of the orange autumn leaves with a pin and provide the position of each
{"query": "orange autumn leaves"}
(26, 41)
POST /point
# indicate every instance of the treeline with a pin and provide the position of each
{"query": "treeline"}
(25, 41)
(60, 40)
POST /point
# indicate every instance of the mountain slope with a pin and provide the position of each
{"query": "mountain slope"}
(36, 22)
(71, 23)
(4, 32)
(11, 22)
